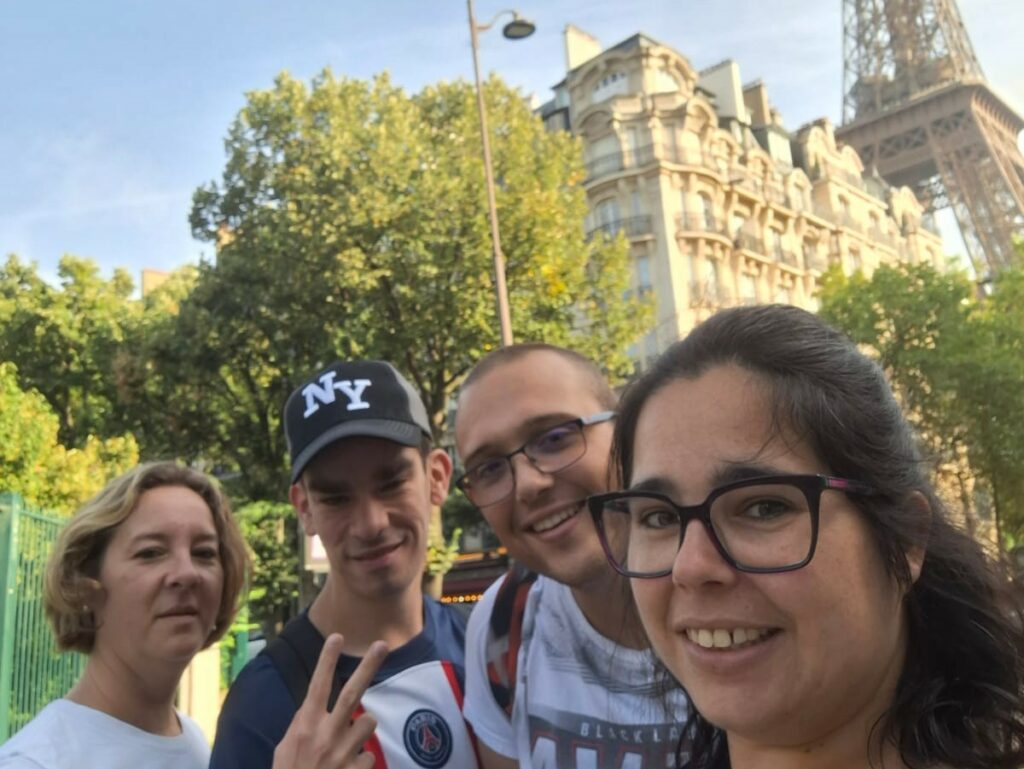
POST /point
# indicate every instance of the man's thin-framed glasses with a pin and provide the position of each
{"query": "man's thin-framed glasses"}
(762, 525)
(555, 448)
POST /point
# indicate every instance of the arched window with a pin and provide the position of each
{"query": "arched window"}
(777, 243)
(748, 288)
(707, 211)
(855, 260)
(643, 274)
(607, 215)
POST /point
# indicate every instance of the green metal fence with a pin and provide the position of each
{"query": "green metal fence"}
(32, 671)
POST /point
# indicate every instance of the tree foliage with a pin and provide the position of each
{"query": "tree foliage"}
(350, 222)
(956, 358)
(271, 529)
(35, 465)
(68, 341)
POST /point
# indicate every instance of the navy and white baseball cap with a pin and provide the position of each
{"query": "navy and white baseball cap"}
(352, 398)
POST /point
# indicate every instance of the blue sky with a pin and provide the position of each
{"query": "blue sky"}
(116, 110)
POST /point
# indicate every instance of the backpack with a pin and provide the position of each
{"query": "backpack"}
(295, 653)
(505, 634)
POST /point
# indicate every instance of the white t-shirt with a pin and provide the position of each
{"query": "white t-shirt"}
(66, 735)
(580, 699)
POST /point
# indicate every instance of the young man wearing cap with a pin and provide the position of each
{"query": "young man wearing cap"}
(364, 478)
(557, 669)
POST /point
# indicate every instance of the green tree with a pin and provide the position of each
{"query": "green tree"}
(955, 360)
(34, 464)
(271, 529)
(68, 341)
(350, 222)
(992, 390)
(158, 409)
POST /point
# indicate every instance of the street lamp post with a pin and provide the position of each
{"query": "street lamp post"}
(516, 29)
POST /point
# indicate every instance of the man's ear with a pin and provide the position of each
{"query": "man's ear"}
(299, 498)
(920, 508)
(439, 474)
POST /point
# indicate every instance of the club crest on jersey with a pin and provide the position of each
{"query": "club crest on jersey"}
(428, 739)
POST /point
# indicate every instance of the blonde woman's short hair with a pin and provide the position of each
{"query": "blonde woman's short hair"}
(73, 570)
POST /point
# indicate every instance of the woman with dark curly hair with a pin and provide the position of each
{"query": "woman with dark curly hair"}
(793, 566)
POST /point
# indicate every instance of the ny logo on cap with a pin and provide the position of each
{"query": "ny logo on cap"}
(323, 393)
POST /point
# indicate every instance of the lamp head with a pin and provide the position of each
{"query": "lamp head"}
(518, 28)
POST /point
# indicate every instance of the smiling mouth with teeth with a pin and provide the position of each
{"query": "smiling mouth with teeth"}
(720, 638)
(554, 520)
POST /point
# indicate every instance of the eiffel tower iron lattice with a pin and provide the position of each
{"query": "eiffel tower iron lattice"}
(917, 107)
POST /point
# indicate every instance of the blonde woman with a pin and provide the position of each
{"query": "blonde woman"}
(144, 576)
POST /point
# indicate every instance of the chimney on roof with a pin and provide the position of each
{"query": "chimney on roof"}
(755, 96)
(580, 47)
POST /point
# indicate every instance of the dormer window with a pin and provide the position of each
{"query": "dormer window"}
(612, 84)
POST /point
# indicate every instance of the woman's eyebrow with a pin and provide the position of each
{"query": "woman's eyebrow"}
(741, 471)
(656, 484)
(729, 473)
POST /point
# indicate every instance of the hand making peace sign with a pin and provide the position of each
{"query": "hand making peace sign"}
(322, 739)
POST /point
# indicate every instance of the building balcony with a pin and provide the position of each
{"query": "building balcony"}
(817, 262)
(844, 219)
(882, 238)
(748, 241)
(686, 157)
(686, 223)
(749, 184)
(706, 293)
(789, 258)
(604, 165)
(637, 157)
(836, 174)
(631, 227)
(776, 195)
(614, 162)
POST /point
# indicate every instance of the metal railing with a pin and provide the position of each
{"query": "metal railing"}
(632, 227)
(788, 257)
(706, 292)
(32, 671)
(884, 238)
(621, 160)
(686, 157)
(846, 219)
(776, 195)
(838, 174)
(748, 241)
(816, 261)
(698, 223)
(750, 184)
(604, 165)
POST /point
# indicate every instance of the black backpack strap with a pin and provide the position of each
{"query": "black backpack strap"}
(294, 653)
(505, 634)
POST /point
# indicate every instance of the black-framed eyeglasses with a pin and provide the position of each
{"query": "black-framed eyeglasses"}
(762, 525)
(491, 480)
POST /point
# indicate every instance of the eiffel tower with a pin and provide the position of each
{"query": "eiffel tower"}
(917, 107)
